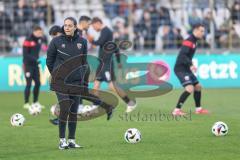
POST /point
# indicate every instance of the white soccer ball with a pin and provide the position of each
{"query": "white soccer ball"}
(55, 110)
(34, 110)
(86, 108)
(220, 129)
(17, 119)
(132, 135)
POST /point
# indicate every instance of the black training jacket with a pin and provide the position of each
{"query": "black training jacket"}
(187, 51)
(31, 49)
(64, 47)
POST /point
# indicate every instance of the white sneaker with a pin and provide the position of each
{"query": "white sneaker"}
(80, 108)
(38, 105)
(63, 144)
(131, 106)
(26, 106)
(93, 107)
(73, 144)
(87, 109)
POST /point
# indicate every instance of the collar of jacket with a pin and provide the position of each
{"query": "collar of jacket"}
(70, 38)
(194, 38)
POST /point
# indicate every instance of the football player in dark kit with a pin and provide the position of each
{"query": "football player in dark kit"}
(61, 49)
(55, 31)
(185, 69)
(105, 71)
(83, 25)
(31, 49)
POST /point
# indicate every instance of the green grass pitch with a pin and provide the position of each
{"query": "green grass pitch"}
(189, 138)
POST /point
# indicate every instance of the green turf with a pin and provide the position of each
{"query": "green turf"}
(188, 138)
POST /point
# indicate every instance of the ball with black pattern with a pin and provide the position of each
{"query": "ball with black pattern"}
(132, 135)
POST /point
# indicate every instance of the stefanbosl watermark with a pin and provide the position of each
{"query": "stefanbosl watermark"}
(158, 116)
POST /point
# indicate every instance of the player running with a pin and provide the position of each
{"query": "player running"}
(105, 71)
(31, 49)
(185, 69)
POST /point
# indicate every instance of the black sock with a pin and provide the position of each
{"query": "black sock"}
(197, 98)
(182, 99)
(126, 99)
(27, 94)
(36, 91)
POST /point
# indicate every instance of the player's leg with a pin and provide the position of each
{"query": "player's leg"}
(72, 119)
(72, 122)
(28, 77)
(36, 78)
(85, 84)
(114, 87)
(197, 95)
(98, 102)
(80, 106)
(131, 104)
(187, 83)
(94, 98)
(96, 87)
(100, 77)
(63, 117)
(197, 98)
(109, 76)
(36, 89)
(183, 97)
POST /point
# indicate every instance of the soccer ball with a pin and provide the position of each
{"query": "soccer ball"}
(55, 110)
(17, 119)
(132, 135)
(86, 109)
(34, 110)
(220, 129)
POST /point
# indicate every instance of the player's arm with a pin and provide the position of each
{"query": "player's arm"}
(85, 51)
(101, 40)
(27, 46)
(85, 73)
(51, 56)
(118, 58)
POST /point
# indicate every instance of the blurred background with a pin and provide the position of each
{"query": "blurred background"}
(155, 26)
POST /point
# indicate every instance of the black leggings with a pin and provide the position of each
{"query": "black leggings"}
(31, 73)
(68, 114)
